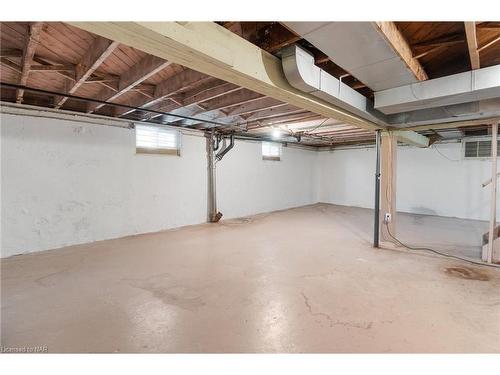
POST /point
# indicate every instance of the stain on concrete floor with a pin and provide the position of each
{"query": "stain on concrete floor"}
(320, 289)
(466, 273)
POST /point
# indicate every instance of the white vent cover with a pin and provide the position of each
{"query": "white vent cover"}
(478, 148)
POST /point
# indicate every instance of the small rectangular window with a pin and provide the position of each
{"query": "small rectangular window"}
(271, 151)
(156, 140)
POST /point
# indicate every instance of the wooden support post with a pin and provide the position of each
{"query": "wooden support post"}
(493, 221)
(388, 185)
(376, 231)
(470, 32)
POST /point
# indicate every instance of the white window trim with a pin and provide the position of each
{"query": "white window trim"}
(162, 150)
(271, 157)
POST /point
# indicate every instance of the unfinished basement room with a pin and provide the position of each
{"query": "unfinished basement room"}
(250, 187)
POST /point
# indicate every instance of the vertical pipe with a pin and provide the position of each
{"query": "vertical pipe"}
(376, 228)
(493, 212)
(211, 179)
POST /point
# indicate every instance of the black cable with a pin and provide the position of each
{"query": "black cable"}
(86, 99)
(438, 252)
(443, 155)
(226, 126)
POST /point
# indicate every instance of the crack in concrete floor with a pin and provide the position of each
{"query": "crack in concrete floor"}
(331, 321)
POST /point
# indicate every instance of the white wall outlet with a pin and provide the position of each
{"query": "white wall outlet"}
(387, 217)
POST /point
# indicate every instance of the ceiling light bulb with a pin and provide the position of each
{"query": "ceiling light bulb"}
(276, 134)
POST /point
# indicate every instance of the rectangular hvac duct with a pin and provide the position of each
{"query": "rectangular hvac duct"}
(472, 86)
(360, 49)
(301, 73)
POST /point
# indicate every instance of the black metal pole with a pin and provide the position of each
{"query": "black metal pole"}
(376, 229)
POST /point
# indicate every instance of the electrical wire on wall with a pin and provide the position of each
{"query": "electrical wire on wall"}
(422, 248)
(443, 155)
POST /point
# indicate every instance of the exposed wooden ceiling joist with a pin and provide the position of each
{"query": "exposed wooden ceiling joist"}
(436, 45)
(488, 25)
(171, 86)
(54, 68)
(277, 37)
(208, 91)
(38, 68)
(239, 97)
(442, 45)
(215, 51)
(258, 105)
(95, 56)
(489, 44)
(11, 65)
(402, 48)
(451, 39)
(138, 73)
(287, 118)
(204, 92)
(11, 52)
(272, 112)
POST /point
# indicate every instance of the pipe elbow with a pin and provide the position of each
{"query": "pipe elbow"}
(224, 151)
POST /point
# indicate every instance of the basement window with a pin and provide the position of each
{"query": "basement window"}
(156, 140)
(271, 151)
(478, 148)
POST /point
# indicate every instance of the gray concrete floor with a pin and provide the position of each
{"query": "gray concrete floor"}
(300, 280)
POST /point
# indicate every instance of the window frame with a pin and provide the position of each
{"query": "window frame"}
(271, 157)
(141, 150)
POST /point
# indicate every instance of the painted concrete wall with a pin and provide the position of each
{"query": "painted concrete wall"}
(67, 182)
(248, 185)
(427, 183)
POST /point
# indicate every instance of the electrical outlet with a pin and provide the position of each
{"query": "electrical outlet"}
(387, 217)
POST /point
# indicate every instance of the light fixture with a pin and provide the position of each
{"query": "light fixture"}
(276, 133)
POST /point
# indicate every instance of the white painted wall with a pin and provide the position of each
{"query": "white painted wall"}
(346, 177)
(66, 182)
(427, 182)
(246, 184)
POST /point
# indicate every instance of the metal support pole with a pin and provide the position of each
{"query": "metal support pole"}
(376, 228)
(211, 179)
